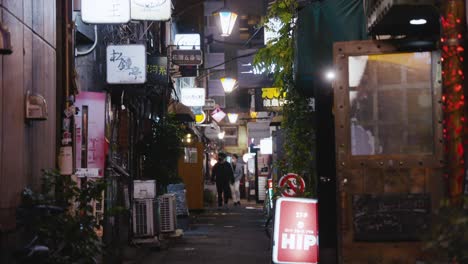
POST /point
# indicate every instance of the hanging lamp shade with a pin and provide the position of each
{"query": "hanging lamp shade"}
(227, 19)
(228, 84)
(232, 117)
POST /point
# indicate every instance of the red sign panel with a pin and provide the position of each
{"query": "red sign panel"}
(292, 185)
(92, 105)
(296, 231)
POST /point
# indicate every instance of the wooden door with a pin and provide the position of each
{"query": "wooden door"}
(388, 134)
(191, 171)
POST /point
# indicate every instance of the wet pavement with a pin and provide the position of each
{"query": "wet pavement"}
(234, 235)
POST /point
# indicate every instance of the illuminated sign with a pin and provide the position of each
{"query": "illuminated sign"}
(187, 57)
(187, 41)
(273, 97)
(126, 64)
(156, 69)
(296, 237)
(105, 11)
(158, 10)
(192, 96)
(218, 115)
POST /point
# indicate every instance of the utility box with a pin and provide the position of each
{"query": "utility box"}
(144, 189)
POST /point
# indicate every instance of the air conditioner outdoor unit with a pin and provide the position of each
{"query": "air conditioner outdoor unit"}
(167, 209)
(143, 218)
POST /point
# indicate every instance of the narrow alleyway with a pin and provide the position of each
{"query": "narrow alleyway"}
(235, 235)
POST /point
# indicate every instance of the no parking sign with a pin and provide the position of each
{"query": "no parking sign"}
(291, 185)
(296, 231)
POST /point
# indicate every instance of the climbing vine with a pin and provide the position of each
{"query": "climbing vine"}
(298, 124)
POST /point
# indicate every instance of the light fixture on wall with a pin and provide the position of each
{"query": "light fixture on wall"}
(228, 84)
(232, 117)
(227, 19)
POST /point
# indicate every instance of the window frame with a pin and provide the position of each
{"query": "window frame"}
(342, 51)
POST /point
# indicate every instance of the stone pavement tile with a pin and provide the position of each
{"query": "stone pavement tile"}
(216, 236)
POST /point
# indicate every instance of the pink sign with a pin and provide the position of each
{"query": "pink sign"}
(91, 115)
(296, 231)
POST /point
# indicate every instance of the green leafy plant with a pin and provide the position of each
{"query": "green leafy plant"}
(70, 235)
(163, 150)
(278, 58)
(448, 241)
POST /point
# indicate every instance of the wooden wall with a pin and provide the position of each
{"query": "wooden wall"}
(26, 147)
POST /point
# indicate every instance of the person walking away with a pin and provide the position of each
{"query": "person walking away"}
(238, 173)
(222, 174)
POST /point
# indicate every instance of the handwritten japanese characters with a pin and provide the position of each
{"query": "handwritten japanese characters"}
(126, 64)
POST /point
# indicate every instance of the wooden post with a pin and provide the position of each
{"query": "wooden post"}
(453, 96)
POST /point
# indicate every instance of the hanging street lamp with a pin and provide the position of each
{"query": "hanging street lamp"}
(228, 84)
(227, 19)
(232, 117)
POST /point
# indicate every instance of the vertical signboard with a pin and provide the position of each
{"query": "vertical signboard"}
(90, 134)
(126, 64)
(105, 11)
(296, 231)
(156, 69)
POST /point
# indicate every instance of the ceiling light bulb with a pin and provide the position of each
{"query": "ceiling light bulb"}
(420, 21)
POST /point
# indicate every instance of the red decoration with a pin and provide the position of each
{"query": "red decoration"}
(453, 98)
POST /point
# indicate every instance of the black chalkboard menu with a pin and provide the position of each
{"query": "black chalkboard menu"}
(390, 217)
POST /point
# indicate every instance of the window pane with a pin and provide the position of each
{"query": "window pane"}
(190, 155)
(391, 104)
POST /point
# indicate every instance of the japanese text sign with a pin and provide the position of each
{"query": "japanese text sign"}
(193, 96)
(105, 11)
(296, 231)
(126, 64)
(187, 57)
(156, 69)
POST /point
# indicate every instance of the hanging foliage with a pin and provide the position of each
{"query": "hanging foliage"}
(298, 124)
(163, 150)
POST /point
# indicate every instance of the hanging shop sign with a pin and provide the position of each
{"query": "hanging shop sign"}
(90, 134)
(218, 115)
(210, 104)
(105, 11)
(192, 96)
(126, 64)
(156, 69)
(200, 118)
(156, 10)
(187, 57)
(296, 237)
(269, 99)
(187, 41)
(291, 185)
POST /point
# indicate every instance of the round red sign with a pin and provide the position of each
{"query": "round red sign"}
(291, 185)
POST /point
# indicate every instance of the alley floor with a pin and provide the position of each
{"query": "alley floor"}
(233, 235)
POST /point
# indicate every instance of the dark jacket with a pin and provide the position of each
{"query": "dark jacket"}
(222, 173)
